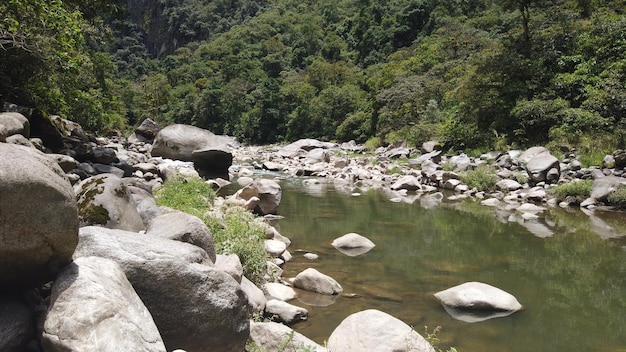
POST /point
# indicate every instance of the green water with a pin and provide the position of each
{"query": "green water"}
(572, 284)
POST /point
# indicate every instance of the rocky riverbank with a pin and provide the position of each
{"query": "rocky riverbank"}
(92, 263)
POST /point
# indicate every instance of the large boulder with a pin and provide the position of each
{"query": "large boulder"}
(210, 153)
(314, 281)
(267, 192)
(16, 324)
(105, 200)
(353, 244)
(602, 187)
(542, 164)
(281, 311)
(38, 217)
(93, 307)
(195, 306)
(479, 297)
(272, 336)
(148, 129)
(15, 123)
(183, 227)
(373, 330)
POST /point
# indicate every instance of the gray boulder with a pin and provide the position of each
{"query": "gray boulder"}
(478, 296)
(268, 192)
(283, 312)
(540, 164)
(38, 217)
(15, 123)
(195, 306)
(314, 281)
(373, 330)
(602, 187)
(209, 152)
(353, 244)
(148, 129)
(408, 182)
(16, 324)
(93, 307)
(256, 297)
(272, 336)
(183, 227)
(105, 200)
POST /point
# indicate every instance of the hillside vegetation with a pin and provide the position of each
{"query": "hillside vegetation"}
(470, 73)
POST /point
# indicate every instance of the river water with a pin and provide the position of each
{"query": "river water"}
(568, 269)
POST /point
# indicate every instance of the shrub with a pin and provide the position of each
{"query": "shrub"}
(483, 178)
(234, 232)
(618, 197)
(579, 190)
(238, 233)
(188, 194)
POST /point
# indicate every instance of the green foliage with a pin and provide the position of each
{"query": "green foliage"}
(238, 233)
(578, 190)
(617, 198)
(188, 194)
(483, 178)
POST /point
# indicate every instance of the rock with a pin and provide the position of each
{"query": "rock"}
(434, 156)
(540, 164)
(195, 306)
(231, 265)
(278, 291)
(38, 217)
(530, 208)
(104, 155)
(620, 158)
(353, 244)
(408, 182)
(212, 162)
(478, 296)
(430, 146)
(16, 324)
(44, 127)
(507, 185)
(602, 187)
(269, 194)
(529, 153)
(105, 200)
(272, 336)
(183, 227)
(491, 202)
(15, 123)
(275, 248)
(256, 297)
(373, 330)
(178, 142)
(317, 155)
(93, 307)
(148, 129)
(4, 133)
(314, 281)
(311, 256)
(283, 312)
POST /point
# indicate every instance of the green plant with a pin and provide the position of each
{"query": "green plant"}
(483, 178)
(238, 233)
(433, 340)
(579, 190)
(188, 194)
(618, 197)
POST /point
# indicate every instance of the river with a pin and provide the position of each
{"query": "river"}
(568, 269)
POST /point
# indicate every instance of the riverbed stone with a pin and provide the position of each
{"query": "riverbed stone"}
(542, 164)
(93, 307)
(38, 217)
(278, 291)
(314, 281)
(15, 123)
(283, 312)
(275, 248)
(408, 182)
(183, 227)
(273, 336)
(195, 306)
(105, 200)
(478, 296)
(373, 330)
(16, 324)
(602, 187)
(230, 264)
(256, 297)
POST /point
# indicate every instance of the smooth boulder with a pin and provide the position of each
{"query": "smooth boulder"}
(38, 217)
(314, 281)
(373, 330)
(105, 200)
(183, 227)
(478, 296)
(93, 307)
(195, 306)
(353, 244)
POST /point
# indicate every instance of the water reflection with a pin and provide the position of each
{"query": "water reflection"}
(572, 281)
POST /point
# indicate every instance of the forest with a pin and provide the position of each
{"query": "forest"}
(472, 74)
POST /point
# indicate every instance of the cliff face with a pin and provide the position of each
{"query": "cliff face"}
(169, 24)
